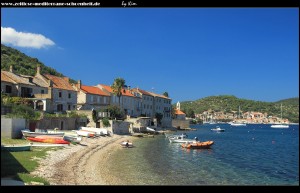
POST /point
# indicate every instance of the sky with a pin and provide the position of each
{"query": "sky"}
(191, 53)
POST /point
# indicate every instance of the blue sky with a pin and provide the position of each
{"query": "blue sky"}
(252, 53)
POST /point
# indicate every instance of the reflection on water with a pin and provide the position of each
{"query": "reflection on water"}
(251, 155)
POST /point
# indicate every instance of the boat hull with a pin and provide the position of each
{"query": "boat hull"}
(16, 148)
(58, 140)
(280, 126)
(126, 144)
(198, 145)
(34, 134)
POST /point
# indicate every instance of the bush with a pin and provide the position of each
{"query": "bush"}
(105, 122)
(23, 111)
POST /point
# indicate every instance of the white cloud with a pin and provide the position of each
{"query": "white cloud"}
(22, 39)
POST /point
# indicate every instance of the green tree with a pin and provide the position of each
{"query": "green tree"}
(166, 94)
(117, 88)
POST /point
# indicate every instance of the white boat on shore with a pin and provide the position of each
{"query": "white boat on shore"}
(26, 133)
(97, 131)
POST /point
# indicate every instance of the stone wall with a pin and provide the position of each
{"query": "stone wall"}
(183, 124)
(62, 123)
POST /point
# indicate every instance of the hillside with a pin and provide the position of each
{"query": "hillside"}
(23, 64)
(229, 103)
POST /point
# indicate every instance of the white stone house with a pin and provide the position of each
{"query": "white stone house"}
(91, 97)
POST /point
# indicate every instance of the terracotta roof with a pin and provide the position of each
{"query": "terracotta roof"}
(125, 92)
(59, 82)
(93, 90)
(14, 78)
(158, 95)
(141, 91)
(179, 112)
(5, 78)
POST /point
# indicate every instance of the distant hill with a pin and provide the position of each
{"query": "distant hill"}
(23, 64)
(230, 103)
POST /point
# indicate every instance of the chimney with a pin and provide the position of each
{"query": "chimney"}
(11, 68)
(66, 79)
(128, 87)
(79, 84)
(38, 70)
(50, 83)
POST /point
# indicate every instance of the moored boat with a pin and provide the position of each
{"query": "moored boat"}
(46, 139)
(126, 144)
(280, 126)
(16, 148)
(27, 133)
(218, 129)
(197, 145)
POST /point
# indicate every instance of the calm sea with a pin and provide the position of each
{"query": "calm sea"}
(251, 155)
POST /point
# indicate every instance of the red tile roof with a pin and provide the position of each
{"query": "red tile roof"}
(14, 78)
(141, 91)
(93, 90)
(59, 82)
(179, 112)
(125, 92)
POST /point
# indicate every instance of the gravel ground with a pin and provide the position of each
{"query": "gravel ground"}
(81, 164)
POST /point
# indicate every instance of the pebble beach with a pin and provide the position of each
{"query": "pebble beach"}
(81, 164)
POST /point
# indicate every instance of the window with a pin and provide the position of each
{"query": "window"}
(69, 95)
(69, 107)
(42, 91)
(8, 89)
(59, 94)
(59, 107)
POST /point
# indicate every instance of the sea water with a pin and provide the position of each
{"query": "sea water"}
(255, 154)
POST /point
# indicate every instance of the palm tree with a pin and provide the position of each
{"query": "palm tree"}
(118, 87)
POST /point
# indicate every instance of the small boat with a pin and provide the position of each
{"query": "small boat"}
(180, 139)
(197, 145)
(97, 131)
(72, 138)
(26, 133)
(238, 124)
(85, 133)
(218, 129)
(280, 126)
(46, 139)
(126, 144)
(15, 148)
(176, 135)
(150, 130)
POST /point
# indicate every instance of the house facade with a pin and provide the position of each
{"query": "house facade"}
(128, 101)
(91, 97)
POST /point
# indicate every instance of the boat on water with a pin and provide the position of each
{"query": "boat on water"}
(176, 135)
(26, 133)
(238, 124)
(218, 129)
(46, 139)
(16, 148)
(197, 145)
(126, 144)
(283, 126)
(233, 123)
(180, 139)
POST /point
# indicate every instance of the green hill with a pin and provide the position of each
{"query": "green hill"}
(230, 103)
(23, 64)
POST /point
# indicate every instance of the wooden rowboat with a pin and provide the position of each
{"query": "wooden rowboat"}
(15, 148)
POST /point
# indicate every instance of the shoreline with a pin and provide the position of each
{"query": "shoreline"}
(81, 164)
